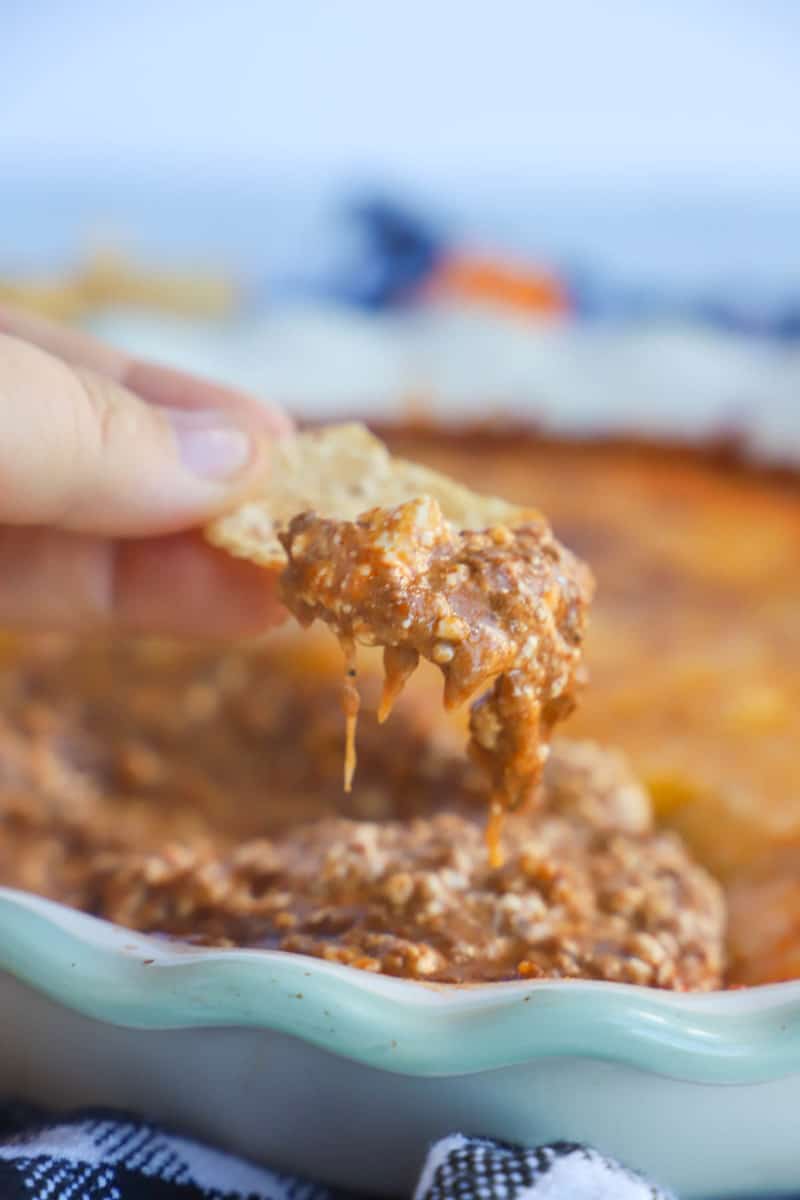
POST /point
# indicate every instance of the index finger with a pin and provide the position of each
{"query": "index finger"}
(152, 382)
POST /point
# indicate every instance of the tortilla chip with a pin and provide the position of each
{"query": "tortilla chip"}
(342, 471)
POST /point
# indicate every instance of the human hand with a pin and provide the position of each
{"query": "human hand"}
(107, 466)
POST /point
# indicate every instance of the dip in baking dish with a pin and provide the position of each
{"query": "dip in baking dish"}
(197, 793)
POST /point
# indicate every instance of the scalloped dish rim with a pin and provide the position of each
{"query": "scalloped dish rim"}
(111, 974)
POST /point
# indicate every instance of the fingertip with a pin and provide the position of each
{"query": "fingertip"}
(170, 388)
(152, 382)
(84, 452)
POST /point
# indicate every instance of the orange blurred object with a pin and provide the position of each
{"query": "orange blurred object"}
(490, 281)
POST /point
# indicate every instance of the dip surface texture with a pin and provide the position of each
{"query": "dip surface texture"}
(200, 797)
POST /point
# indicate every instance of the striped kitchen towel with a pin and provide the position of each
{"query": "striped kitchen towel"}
(93, 1155)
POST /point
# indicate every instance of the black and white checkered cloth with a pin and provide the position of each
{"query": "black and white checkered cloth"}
(105, 1156)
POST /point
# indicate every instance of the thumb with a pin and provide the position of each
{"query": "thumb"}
(80, 452)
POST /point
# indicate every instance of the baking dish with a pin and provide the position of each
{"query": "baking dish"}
(345, 1076)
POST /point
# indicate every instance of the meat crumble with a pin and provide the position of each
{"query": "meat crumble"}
(587, 891)
(196, 794)
(500, 608)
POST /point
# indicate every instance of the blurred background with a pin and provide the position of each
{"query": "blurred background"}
(584, 213)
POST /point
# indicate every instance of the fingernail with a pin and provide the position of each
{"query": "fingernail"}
(209, 445)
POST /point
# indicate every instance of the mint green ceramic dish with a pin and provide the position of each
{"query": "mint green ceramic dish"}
(256, 1049)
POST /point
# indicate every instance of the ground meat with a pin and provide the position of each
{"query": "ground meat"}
(587, 890)
(502, 608)
(196, 793)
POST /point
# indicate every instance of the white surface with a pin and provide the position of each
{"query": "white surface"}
(701, 87)
(322, 362)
